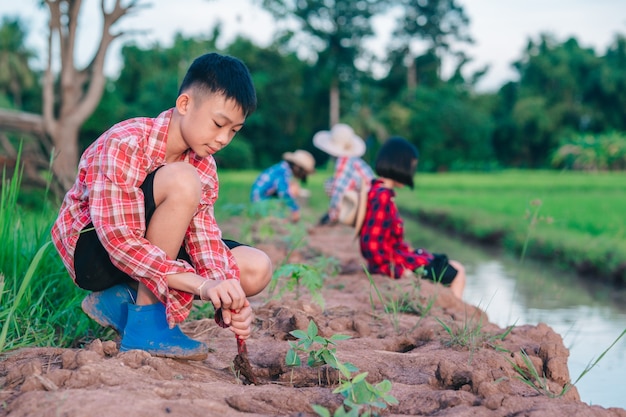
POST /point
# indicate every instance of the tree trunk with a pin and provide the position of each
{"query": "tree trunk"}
(334, 103)
(65, 140)
(411, 75)
(72, 95)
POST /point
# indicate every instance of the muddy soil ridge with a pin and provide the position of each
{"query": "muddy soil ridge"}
(444, 358)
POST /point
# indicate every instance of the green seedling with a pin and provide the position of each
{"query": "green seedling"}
(325, 354)
(293, 278)
(360, 397)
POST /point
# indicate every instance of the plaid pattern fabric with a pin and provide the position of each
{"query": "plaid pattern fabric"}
(107, 193)
(274, 182)
(382, 236)
(350, 172)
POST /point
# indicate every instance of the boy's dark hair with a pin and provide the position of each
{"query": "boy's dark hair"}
(223, 74)
(397, 160)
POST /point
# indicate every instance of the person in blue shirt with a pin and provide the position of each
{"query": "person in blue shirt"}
(280, 180)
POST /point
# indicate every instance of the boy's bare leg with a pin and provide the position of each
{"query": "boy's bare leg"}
(177, 195)
(458, 283)
(255, 267)
(176, 192)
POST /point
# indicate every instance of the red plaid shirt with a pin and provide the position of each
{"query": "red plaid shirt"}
(107, 193)
(382, 236)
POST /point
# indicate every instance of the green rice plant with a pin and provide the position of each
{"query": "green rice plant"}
(293, 277)
(491, 207)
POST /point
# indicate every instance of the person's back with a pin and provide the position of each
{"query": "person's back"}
(277, 181)
(381, 228)
(350, 169)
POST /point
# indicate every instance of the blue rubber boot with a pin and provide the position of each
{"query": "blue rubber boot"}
(109, 307)
(147, 329)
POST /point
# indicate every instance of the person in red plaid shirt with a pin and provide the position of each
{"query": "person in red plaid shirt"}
(381, 229)
(137, 228)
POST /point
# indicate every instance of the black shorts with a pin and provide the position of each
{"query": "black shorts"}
(93, 267)
(440, 270)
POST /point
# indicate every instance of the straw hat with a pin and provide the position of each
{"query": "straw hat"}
(339, 141)
(301, 158)
(352, 208)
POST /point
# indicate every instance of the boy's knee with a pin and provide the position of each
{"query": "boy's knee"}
(256, 269)
(181, 180)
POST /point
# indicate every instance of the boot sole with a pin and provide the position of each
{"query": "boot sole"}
(88, 306)
(190, 357)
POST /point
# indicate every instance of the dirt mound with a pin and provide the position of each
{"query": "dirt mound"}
(443, 357)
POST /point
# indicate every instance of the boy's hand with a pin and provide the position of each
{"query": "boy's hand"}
(241, 321)
(226, 294)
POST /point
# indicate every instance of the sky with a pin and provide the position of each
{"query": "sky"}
(500, 28)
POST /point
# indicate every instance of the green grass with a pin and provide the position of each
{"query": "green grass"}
(579, 220)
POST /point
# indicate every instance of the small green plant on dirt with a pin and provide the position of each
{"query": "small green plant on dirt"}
(471, 335)
(326, 353)
(398, 302)
(360, 397)
(530, 376)
(293, 277)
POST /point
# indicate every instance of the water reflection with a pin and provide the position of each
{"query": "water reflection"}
(588, 316)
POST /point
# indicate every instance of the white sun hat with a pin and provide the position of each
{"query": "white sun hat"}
(339, 141)
(301, 158)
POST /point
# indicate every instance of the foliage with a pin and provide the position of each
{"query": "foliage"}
(409, 302)
(530, 376)
(448, 129)
(360, 397)
(292, 277)
(16, 75)
(470, 335)
(237, 155)
(325, 354)
(39, 304)
(587, 152)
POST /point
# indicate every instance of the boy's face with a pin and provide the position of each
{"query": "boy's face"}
(208, 123)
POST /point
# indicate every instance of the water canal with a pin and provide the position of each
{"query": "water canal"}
(589, 316)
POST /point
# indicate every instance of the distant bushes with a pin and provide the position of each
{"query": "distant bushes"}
(604, 152)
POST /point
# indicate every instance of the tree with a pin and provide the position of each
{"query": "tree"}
(332, 32)
(72, 95)
(550, 101)
(15, 73)
(437, 23)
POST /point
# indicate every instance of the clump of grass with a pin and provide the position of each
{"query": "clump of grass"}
(39, 304)
(471, 335)
(530, 376)
(401, 301)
